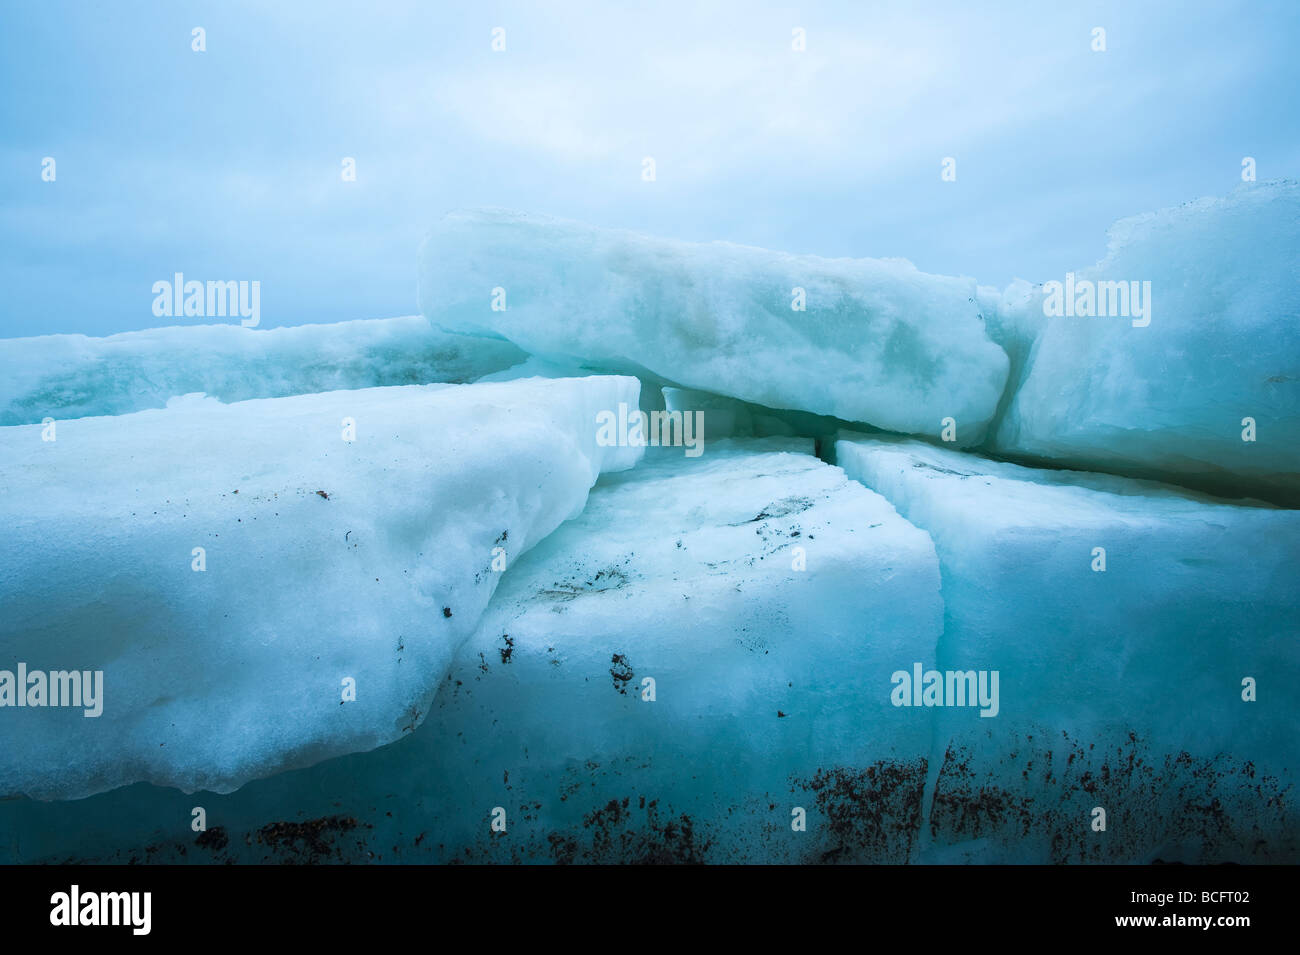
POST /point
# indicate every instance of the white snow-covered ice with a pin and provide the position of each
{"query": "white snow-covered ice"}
(344, 535)
(878, 341)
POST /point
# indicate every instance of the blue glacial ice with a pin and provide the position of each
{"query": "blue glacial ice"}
(76, 376)
(705, 635)
(786, 594)
(1170, 398)
(1111, 607)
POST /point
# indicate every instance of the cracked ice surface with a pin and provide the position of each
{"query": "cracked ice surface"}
(767, 598)
(682, 570)
(1193, 599)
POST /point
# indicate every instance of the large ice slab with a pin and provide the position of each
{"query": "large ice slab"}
(770, 695)
(766, 597)
(709, 634)
(1170, 398)
(1121, 674)
(75, 376)
(879, 342)
(228, 567)
(1153, 637)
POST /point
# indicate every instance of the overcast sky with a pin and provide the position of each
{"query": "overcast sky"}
(225, 164)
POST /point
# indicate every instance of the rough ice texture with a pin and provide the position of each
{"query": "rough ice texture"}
(765, 596)
(74, 376)
(771, 687)
(325, 559)
(1196, 596)
(1167, 400)
(880, 342)
(682, 570)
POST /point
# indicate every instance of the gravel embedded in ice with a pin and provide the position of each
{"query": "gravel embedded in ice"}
(684, 571)
(1196, 595)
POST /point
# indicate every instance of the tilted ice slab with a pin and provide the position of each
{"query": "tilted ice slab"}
(326, 559)
(765, 597)
(1169, 398)
(74, 376)
(879, 341)
(1196, 596)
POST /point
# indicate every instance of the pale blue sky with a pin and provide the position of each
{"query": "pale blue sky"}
(225, 164)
